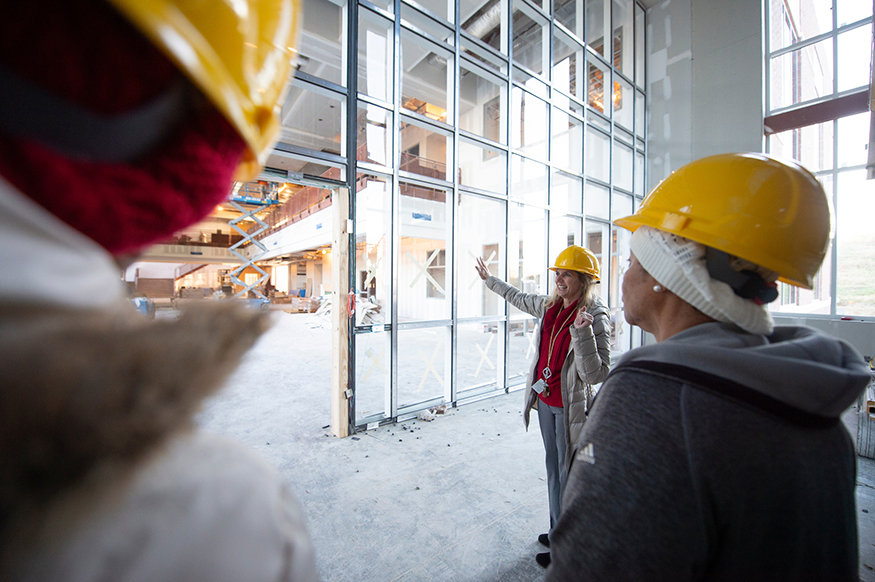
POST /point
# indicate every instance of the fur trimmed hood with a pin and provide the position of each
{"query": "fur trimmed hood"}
(88, 394)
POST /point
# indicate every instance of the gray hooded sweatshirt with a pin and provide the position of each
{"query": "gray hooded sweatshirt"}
(716, 455)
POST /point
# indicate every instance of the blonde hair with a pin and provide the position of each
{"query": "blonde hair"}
(587, 294)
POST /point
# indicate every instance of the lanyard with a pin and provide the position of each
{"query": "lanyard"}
(547, 372)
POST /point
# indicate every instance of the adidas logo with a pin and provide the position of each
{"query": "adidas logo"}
(587, 454)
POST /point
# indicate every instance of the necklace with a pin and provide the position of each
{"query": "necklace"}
(547, 372)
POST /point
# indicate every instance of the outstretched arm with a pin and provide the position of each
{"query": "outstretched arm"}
(531, 303)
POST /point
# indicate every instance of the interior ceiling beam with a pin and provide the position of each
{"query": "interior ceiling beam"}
(851, 104)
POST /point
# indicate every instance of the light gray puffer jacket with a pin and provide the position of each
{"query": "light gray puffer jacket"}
(587, 363)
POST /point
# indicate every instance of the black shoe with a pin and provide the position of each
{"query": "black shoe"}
(544, 540)
(543, 559)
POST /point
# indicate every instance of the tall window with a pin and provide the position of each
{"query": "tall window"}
(501, 129)
(817, 95)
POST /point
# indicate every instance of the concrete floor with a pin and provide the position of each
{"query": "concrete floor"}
(461, 498)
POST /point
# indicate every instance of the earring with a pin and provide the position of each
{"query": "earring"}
(658, 288)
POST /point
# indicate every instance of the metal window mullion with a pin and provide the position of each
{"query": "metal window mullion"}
(567, 32)
(303, 80)
(426, 36)
(623, 76)
(313, 155)
(550, 155)
(429, 324)
(424, 122)
(767, 67)
(368, 100)
(372, 168)
(833, 282)
(394, 228)
(580, 102)
(493, 52)
(481, 193)
(835, 50)
(609, 103)
(532, 6)
(511, 65)
(598, 57)
(479, 69)
(483, 142)
(426, 181)
(834, 267)
(584, 114)
(377, 9)
(801, 44)
(551, 34)
(439, 20)
(452, 377)
(646, 118)
(836, 31)
(530, 72)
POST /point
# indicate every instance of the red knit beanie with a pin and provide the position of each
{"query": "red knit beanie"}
(84, 52)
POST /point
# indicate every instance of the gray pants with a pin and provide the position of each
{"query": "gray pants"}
(552, 421)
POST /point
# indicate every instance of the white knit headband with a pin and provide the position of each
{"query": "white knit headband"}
(679, 265)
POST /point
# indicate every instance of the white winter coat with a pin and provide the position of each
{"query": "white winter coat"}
(103, 475)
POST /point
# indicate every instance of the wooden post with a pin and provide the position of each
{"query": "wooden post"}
(340, 314)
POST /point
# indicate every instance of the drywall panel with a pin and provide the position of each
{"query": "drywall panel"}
(727, 99)
(718, 24)
(669, 88)
(705, 75)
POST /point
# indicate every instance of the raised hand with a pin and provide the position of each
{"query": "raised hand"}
(583, 319)
(481, 269)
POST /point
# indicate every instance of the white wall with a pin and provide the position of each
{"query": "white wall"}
(318, 277)
(705, 81)
(280, 277)
(727, 76)
(151, 270)
(311, 232)
(860, 334)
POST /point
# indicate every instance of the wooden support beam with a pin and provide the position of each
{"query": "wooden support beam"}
(340, 323)
(850, 104)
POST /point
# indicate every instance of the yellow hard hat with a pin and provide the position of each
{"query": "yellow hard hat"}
(577, 258)
(771, 212)
(238, 53)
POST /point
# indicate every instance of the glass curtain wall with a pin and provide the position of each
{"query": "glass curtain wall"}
(502, 129)
(819, 53)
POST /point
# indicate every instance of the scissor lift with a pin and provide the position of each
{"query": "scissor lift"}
(251, 198)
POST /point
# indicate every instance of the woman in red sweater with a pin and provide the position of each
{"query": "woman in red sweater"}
(574, 353)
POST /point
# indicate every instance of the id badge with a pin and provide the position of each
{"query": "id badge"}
(539, 386)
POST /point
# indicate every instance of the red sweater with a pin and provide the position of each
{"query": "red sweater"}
(555, 330)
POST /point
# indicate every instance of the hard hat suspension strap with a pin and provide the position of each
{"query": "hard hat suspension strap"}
(746, 284)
